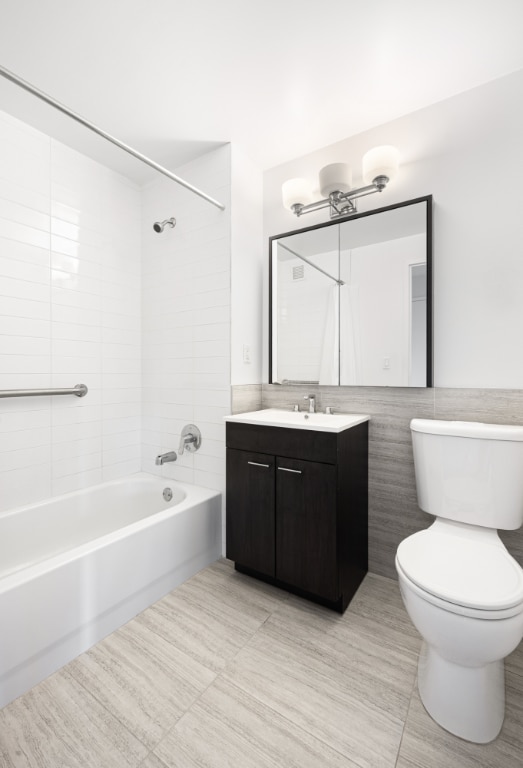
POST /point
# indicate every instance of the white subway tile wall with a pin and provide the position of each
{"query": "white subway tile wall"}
(186, 321)
(70, 300)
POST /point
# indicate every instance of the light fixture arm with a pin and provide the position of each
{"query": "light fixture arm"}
(340, 203)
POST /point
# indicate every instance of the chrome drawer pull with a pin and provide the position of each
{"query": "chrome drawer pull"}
(286, 469)
(256, 464)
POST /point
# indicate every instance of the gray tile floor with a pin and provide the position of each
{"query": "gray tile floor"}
(227, 672)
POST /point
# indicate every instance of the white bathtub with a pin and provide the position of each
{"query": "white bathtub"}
(77, 567)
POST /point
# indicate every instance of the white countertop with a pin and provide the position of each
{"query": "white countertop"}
(320, 422)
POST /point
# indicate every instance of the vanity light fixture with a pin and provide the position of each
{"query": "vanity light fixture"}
(380, 165)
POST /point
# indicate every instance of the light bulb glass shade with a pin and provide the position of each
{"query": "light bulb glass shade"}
(380, 161)
(336, 177)
(296, 191)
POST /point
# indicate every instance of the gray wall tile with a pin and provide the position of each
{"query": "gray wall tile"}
(245, 398)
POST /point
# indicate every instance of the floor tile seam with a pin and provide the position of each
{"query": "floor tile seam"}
(124, 725)
(150, 754)
(405, 657)
(106, 709)
(412, 692)
(244, 645)
(323, 674)
(292, 726)
(408, 629)
(177, 720)
(400, 721)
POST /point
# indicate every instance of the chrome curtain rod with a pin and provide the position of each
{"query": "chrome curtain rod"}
(92, 127)
(80, 390)
(310, 263)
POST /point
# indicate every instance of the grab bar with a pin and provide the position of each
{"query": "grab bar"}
(80, 390)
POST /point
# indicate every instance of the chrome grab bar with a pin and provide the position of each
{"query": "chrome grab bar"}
(80, 390)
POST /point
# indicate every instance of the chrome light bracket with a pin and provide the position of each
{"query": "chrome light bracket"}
(342, 203)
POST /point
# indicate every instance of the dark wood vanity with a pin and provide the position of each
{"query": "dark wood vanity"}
(297, 508)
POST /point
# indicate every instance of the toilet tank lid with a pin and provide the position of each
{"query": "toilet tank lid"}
(473, 429)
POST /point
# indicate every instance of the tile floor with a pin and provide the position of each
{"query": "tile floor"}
(227, 672)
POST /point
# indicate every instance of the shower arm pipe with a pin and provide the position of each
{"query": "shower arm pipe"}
(80, 390)
(107, 136)
(310, 263)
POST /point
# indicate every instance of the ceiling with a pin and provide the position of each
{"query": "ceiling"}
(282, 78)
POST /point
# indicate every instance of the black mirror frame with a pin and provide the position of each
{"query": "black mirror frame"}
(430, 303)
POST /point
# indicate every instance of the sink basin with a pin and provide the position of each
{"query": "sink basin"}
(321, 422)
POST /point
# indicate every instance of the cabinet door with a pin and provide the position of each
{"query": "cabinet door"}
(250, 510)
(306, 526)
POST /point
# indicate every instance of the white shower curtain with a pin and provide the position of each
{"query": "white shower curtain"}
(349, 334)
(329, 365)
(340, 353)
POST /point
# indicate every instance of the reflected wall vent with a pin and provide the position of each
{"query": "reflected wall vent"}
(298, 273)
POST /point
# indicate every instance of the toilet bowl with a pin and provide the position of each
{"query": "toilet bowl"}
(461, 588)
(460, 672)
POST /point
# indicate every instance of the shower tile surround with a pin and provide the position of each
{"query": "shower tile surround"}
(186, 323)
(393, 509)
(69, 313)
(76, 305)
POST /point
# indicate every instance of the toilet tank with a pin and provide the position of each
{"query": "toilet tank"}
(469, 472)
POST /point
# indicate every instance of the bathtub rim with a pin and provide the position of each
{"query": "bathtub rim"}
(194, 494)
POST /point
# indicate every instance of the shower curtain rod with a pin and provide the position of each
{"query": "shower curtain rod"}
(310, 263)
(92, 127)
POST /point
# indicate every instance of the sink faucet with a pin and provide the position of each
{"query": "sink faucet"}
(163, 458)
(312, 402)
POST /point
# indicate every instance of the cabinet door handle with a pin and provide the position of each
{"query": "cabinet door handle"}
(286, 469)
(257, 464)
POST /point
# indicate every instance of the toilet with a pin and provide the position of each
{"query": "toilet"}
(462, 589)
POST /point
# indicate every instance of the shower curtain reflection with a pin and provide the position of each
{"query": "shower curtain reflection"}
(341, 349)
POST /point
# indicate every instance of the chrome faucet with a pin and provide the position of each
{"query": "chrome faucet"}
(190, 440)
(312, 402)
(163, 458)
(187, 442)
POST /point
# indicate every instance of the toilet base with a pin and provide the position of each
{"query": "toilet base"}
(467, 701)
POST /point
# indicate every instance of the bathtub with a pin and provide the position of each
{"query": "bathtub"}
(75, 568)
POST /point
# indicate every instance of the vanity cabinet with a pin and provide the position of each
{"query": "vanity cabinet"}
(296, 504)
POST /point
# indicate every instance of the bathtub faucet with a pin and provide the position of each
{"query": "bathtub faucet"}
(165, 457)
(190, 440)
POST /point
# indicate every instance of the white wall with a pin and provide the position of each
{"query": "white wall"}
(69, 313)
(186, 302)
(467, 151)
(382, 309)
(248, 256)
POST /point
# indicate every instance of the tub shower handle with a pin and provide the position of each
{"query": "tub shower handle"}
(190, 440)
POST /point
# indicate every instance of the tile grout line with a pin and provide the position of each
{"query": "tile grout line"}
(169, 730)
(406, 719)
(292, 726)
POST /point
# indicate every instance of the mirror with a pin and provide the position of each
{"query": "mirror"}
(351, 300)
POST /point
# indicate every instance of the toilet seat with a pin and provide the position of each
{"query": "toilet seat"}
(467, 576)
